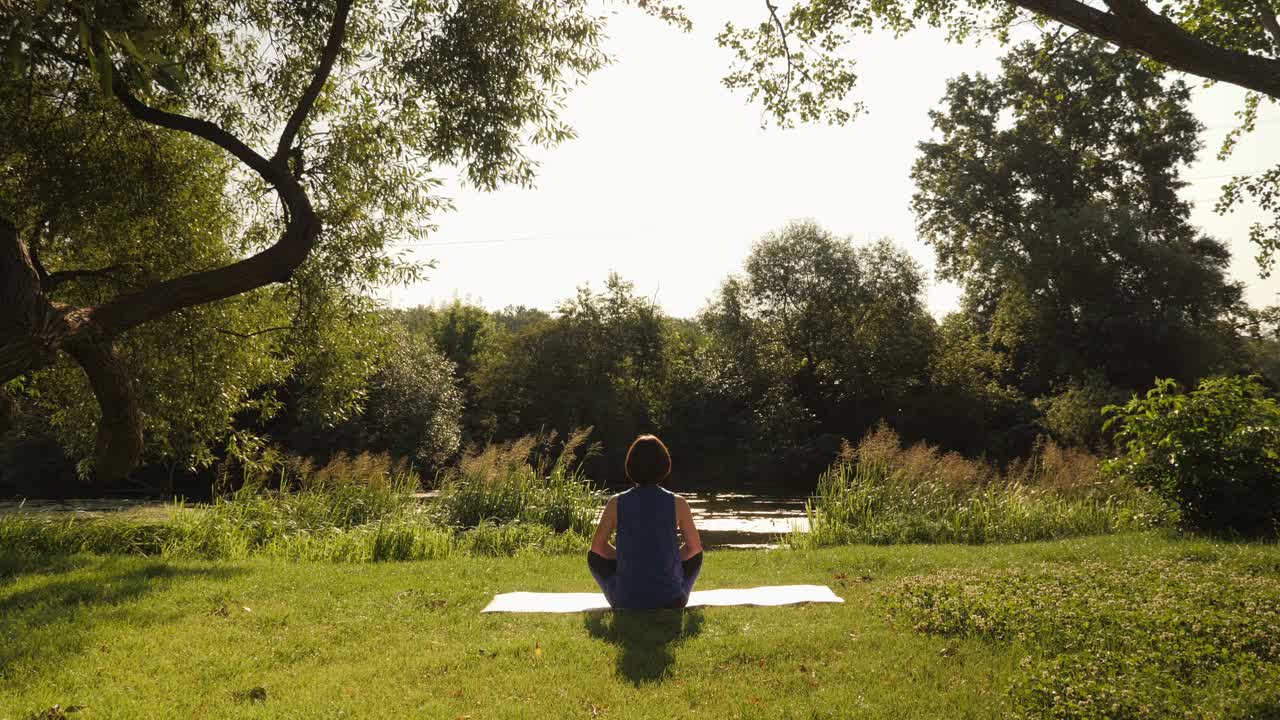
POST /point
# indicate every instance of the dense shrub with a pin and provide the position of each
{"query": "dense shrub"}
(1214, 453)
(1074, 417)
(415, 407)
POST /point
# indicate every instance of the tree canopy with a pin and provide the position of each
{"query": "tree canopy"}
(796, 65)
(1051, 194)
(325, 118)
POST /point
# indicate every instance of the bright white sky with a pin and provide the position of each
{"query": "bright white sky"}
(671, 177)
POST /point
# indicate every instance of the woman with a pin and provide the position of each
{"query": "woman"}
(645, 567)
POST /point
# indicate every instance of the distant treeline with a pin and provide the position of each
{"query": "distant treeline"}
(819, 340)
(815, 341)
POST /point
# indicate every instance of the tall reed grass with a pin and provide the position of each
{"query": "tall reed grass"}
(528, 481)
(882, 493)
(360, 508)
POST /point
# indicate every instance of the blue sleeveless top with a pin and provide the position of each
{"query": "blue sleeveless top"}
(650, 574)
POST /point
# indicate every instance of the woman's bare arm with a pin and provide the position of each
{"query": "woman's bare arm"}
(684, 521)
(608, 523)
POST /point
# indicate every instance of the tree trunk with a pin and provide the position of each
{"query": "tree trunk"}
(32, 332)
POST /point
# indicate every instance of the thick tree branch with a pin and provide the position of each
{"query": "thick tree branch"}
(51, 281)
(255, 333)
(1267, 16)
(274, 264)
(1134, 26)
(337, 32)
(212, 132)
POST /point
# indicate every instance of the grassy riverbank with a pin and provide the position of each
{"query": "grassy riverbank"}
(926, 631)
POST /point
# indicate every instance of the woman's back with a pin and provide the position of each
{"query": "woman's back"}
(649, 567)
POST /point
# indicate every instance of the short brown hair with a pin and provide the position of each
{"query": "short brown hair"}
(648, 461)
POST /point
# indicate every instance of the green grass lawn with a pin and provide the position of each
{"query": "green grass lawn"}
(129, 637)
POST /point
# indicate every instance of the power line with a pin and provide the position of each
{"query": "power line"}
(1256, 173)
(448, 243)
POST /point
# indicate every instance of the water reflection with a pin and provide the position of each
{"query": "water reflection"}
(740, 520)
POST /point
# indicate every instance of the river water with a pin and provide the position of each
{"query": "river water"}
(741, 520)
(724, 520)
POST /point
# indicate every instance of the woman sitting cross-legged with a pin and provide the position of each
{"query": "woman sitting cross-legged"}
(646, 567)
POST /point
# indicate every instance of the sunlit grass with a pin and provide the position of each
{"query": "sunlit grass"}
(128, 637)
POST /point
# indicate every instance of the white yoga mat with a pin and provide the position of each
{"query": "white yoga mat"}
(533, 602)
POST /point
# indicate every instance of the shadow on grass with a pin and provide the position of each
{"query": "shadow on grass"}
(50, 607)
(647, 639)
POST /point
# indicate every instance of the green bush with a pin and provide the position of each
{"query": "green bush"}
(1073, 416)
(1213, 453)
(415, 407)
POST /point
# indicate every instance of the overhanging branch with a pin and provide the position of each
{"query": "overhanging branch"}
(782, 36)
(210, 131)
(255, 333)
(1267, 16)
(50, 281)
(1132, 25)
(337, 31)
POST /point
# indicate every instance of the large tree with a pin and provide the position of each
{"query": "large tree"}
(793, 62)
(601, 362)
(332, 114)
(818, 328)
(1051, 194)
